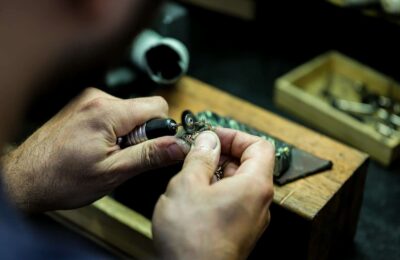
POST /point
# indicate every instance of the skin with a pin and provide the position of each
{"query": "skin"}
(200, 219)
(73, 159)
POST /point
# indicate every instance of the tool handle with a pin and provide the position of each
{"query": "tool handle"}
(153, 128)
(160, 127)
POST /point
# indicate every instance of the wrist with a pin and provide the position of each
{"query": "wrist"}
(15, 188)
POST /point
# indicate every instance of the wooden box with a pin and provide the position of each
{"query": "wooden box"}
(300, 92)
(311, 217)
(245, 9)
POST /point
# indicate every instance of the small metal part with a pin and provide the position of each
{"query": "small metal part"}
(219, 173)
(382, 114)
(385, 102)
(189, 121)
(395, 120)
(192, 126)
(352, 107)
(384, 129)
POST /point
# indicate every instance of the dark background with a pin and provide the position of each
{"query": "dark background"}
(244, 58)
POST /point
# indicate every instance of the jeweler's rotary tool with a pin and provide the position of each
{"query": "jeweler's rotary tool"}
(153, 128)
(158, 127)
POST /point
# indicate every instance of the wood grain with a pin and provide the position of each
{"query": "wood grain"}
(244, 9)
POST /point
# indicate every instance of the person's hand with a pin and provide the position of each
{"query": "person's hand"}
(197, 218)
(74, 158)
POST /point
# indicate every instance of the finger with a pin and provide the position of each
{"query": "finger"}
(230, 169)
(202, 160)
(129, 113)
(256, 155)
(233, 142)
(229, 165)
(148, 155)
(258, 159)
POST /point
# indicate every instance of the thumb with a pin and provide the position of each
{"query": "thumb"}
(148, 155)
(203, 157)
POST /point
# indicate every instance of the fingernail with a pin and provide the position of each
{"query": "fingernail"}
(178, 150)
(207, 140)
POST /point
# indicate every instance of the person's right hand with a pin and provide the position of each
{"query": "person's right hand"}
(197, 218)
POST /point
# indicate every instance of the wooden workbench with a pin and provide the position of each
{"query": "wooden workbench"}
(311, 217)
(245, 9)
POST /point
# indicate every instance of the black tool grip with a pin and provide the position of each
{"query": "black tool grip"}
(160, 127)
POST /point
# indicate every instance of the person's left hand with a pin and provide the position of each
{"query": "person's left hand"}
(74, 158)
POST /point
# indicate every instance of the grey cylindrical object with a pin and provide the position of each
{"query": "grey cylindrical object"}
(154, 128)
(165, 60)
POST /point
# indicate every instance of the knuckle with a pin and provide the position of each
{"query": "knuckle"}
(162, 102)
(266, 192)
(90, 93)
(188, 179)
(262, 189)
(165, 214)
(97, 104)
(267, 149)
(96, 113)
(173, 184)
(185, 179)
(267, 146)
